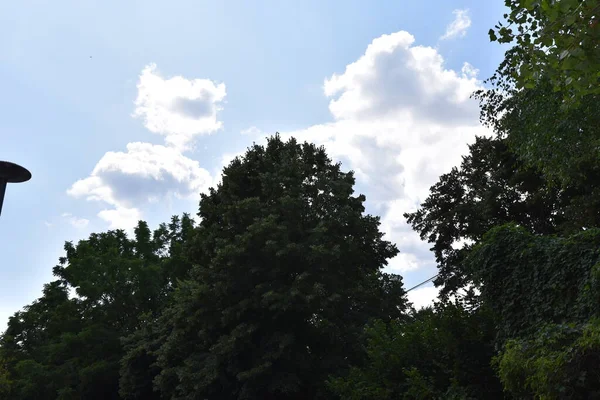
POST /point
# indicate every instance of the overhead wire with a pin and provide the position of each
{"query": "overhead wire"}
(422, 283)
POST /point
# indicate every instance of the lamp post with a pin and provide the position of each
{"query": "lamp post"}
(11, 173)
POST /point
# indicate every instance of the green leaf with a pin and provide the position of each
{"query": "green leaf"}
(492, 35)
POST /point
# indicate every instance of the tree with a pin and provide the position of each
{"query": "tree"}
(139, 362)
(493, 187)
(5, 378)
(66, 347)
(531, 280)
(441, 353)
(559, 362)
(559, 40)
(562, 143)
(286, 274)
(544, 292)
(545, 93)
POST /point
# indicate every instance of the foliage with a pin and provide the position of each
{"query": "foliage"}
(530, 280)
(5, 377)
(270, 295)
(545, 93)
(286, 273)
(562, 143)
(138, 364)
(491, 187)
(437, 354)
(557, 362)
(556, 39)
(65, 347)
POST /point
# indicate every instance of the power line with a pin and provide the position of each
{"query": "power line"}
(422, 283)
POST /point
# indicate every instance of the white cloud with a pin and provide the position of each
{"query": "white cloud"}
(458, 27)
(393, 77)
(144, 174)
(76, 222)
(178, 108)
(401, 119)
(121, 217)
(252, 131)
(423, 296)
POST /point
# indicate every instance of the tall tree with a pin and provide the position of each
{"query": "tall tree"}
(287, 271)
(493, 187)
(544, 94)
(66, 347)
(556, 39)
(138, 364)
(562, 143)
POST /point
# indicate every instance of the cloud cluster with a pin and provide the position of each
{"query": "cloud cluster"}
(393, 76)
(458, 27)
(401, 119)
(143, 174)
(177, 108)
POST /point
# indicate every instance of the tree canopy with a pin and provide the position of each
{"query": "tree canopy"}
(279, 291)
(287, 271)
(555, 39)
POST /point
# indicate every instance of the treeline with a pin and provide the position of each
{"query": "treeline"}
(278, 292)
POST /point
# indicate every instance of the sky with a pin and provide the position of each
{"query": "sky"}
(127, 110)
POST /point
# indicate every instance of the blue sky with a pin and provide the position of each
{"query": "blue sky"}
(129, 109)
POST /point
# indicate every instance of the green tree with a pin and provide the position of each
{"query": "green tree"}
(138, 364)
(69, 347)
(441, 353)
(562, 143)
(6, 383)
(544, 292)
(560, 361)
(287, 271)
(531, 280)
(493, 187)
(559, 40)
(545, 93)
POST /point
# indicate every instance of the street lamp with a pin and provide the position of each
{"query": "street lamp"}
(11, 173)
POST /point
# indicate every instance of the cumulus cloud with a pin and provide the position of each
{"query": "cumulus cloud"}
(75, 221)
(126, 182)
(178, 108)
(401, 119)
(393, 77)
(144, 173)
(458, 27)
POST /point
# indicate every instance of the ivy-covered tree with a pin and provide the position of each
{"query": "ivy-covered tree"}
(287, 271)
(544, 292)
(559, 362)
(532, 280)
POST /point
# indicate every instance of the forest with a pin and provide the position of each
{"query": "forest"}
(279, 292)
